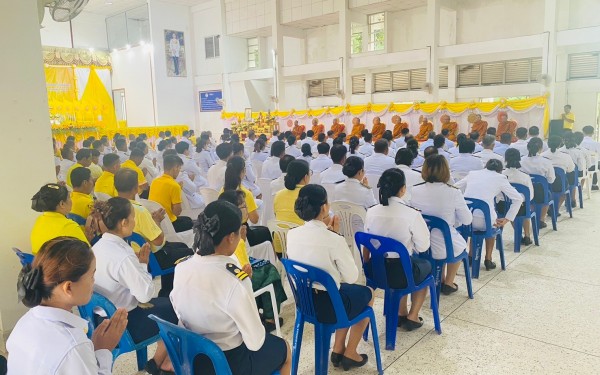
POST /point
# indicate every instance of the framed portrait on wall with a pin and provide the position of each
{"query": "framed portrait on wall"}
(248, 114)
(175, 53)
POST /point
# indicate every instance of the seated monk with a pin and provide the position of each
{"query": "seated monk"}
(357, 128)
(378, 129)
(425, 128)
(451, 126)
(298, 129)
(337, 128)
(506, 126)
(317, 128)
(398, 126)
(479, 125)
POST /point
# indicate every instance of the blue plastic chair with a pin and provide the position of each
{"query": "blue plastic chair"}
(392, 296)
(541, 181)
(155, 269)
(577, 185)
(437, 223)
(302, 277)
(126, 343)
(565, 190)
(529, 214)
(478, 236)
(24, 258)
(76, 218)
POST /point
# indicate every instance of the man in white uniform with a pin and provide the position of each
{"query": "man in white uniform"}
(377, 163)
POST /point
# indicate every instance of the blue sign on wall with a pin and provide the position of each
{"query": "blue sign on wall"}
(208, 101)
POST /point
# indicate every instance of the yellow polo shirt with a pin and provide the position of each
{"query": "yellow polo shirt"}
(166, 191)
(145, 225)
(131, 165)
(569, 125)
(51, 225)
(241, 254)
(248, 198)
(82, 204)
(106, 184)
(283, 205)
(76, 165)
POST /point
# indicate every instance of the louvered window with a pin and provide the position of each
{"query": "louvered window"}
(518, 71)
(323, 87)
(469, 75)
(401, 80)
(330, 86)
(315, 88)
(358, 84)
(492, 73)
(583, 65)
(536, 68)
(382, 82)
(417, 78)
(443, 76)
(499, 72)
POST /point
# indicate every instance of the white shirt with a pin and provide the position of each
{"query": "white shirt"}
(487, 155)
(53, 341)
(260, 156)
(478, 147)
(520, 145)
(333, 175)
(412, 178)
(320, 163)
(486, 185)
(293, 151)
(515, 176)
(248, 147)
(577, 156)
(500, 148)
(426, 144)
(151, 171)
(462, 164)
(120, 276)
(270, 168)
(449, 144)
(590, 144)
(210, 300)
(538, 165)
(447, 203)
(399, 222)
(204, 160)
(65, 164)
(560, 159)
(353, 191)
(589, 156)
(315, 245)
(311, 142)
(216, 175)
(367, 149)
(278, 184)
(190, 189)
(123, 156)
(399, 142)
(249, 180)
(190, 166)
(307, 158)
(378, 163)
(329, 142)
(544, 143)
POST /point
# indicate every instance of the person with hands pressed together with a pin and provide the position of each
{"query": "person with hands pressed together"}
(356, 188)
(50, 339)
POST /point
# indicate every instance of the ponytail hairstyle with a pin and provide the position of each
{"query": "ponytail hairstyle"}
(60, 259)
(296, 171)
(201, 143)
(534, 146)
(390, 183)
(513, 158)
(49, 197)
(354, 142)
(310, 200)
(259, 145)
(306, 150)
(494, 165)
(569, 139)
(413, 146)
(353, 166)
(218, 220)
(554, 143)
(404, 156)
(233, 174)
(113, 211)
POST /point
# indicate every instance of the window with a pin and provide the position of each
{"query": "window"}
(584, 65)
(211, 46)
(402, 80)
(356, 39)
(499, 72)
(253, 53)
(358, 84)
(323, 87)
(376, 24)
(443, 77)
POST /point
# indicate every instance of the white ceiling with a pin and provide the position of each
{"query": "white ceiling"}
(101, 7)
(391, 6)
(312, 22)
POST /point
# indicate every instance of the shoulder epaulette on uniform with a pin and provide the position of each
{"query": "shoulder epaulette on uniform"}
(452, 186)
(420, 183)
(339, 182)
(414, 208)
(547, 158)
(416, 170)
(236, 271)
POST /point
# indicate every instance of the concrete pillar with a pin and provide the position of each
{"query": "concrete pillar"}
(278, 54)
(345, 40)
(28, 162)
(549, 54)
(433, 42)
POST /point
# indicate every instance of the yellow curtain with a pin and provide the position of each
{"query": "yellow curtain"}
(62, 93)
(96, 104)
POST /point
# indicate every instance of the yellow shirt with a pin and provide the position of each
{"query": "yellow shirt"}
(51, 225)
(283, 204)
(241, 254)
(145, 225)
(249, 198)
(166, 191)
(106, 184)
(82, 204)
(76, 165)
(569, 125)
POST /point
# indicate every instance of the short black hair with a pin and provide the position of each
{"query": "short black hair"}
(466, 147)
(285, 161)
(521, 133)
(110, 160)
(404, 156)
(338, 153)
(323, 148)
(97, 144)
(277, 148)
(506, 138)
(224, 150)
(121, 142)
(237, 148)
(368, 137)
(291, 140)
(430, 150)
(171, 161)
(86, 143)
(445, 132)
(126, 180)
(534, 131)
(79, 175)
(136, 153)
(84, 153)
(381, 146)
(321, 137)
(439, 141)
(182, 147)
(310, 133)
(474, 136)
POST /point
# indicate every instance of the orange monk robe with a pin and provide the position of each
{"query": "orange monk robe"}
(378, 131)
(337, 129)
(480, 127)
(297, 130)
(318, 129)
(506, 127)
(424, 131)
(452, 130)
(397, 132)
(357, 130)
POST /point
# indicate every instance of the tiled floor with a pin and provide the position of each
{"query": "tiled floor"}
(540, 316)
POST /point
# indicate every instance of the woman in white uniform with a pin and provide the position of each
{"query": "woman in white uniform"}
(213, 297)
(356, 187)
(319, 245)
(515, 176)
(394, 219)
(436, 198)
(578, 157)
(404, 159)
(562, 160)
(203, 157)
(49, 338)
(353, 145)
(537, 164)
(306, 153)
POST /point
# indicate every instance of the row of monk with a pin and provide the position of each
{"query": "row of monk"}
(425, 127)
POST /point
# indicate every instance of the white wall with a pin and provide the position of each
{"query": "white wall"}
(89, 30)
(322, 44)
(132, 71)
(583, 13)
(294, 51)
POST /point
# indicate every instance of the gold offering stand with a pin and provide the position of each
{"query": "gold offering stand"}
(262, 125)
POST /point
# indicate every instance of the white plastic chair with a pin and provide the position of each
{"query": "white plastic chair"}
(590, 176)
(330, 188)
(103, 197)
(279, 231)
(187, 210)
(373, 181)
(186, 237)
(257, 165)
(269, 289)
(352, 219)
(209, 194)
(264, 184)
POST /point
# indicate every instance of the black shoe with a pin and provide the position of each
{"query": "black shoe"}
(489, 265)
(526, 241)
(401, 320)
(164, 372)
(558, 214)
(543, 225)
(410, 325)
(573, 204)
(348, 363)
(269, 327)
(595, 187)
(336, 359)
(447, 289)
(152, 368)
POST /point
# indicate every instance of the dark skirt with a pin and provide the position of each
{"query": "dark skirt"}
(396, 278)
(141, 327)
(354, 297)
(501, 207)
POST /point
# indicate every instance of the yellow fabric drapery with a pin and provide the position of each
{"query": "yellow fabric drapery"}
(62, 93)
(82, 133)
(96, 104)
